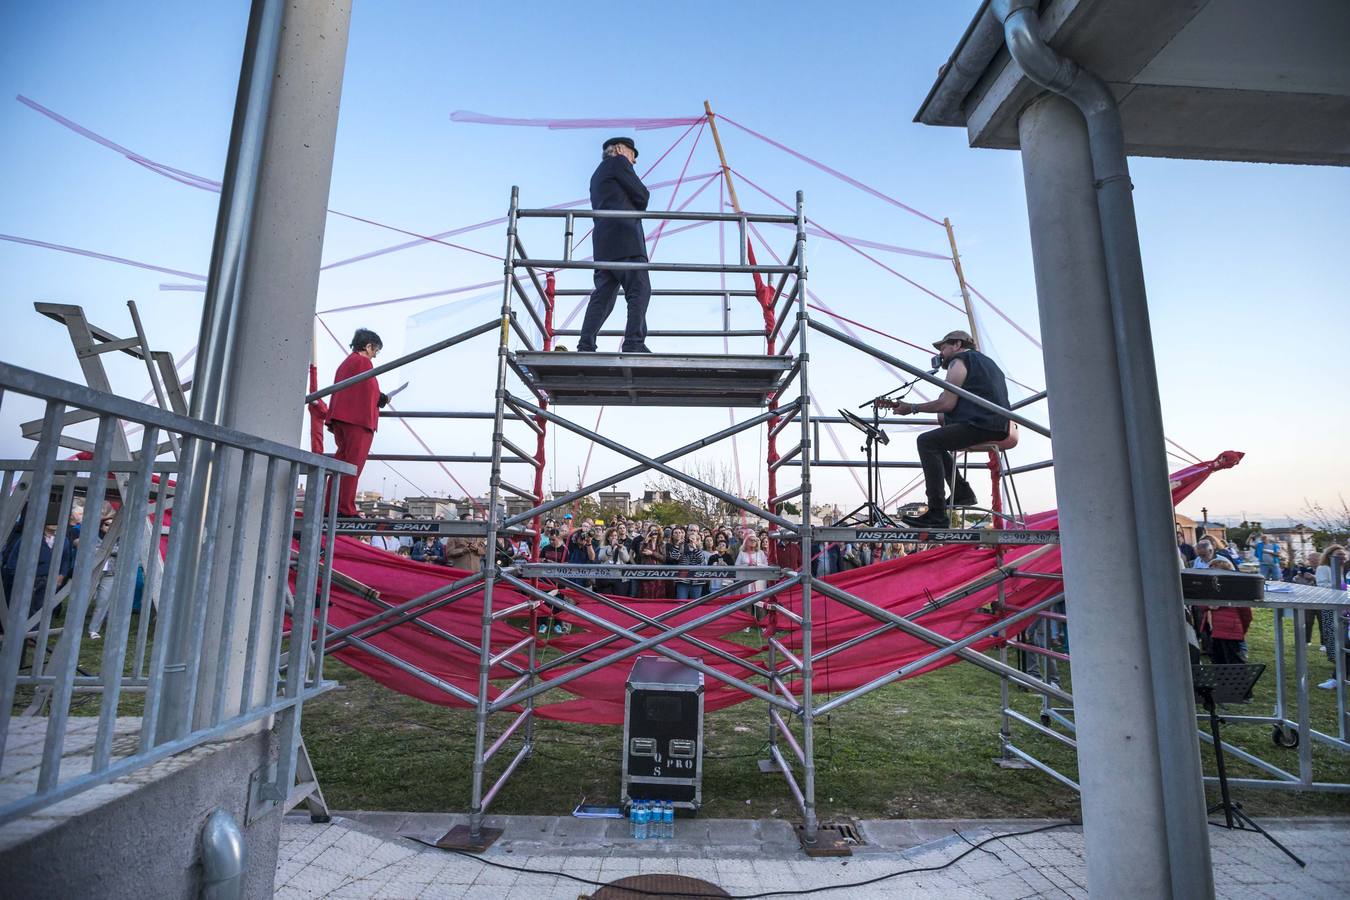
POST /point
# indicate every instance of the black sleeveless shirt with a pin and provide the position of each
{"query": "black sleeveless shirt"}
(984, 379)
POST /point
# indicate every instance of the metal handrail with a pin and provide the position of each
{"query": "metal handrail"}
(189, 696)
(35, 384)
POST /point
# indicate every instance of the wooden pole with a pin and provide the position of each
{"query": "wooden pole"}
(721, 155)
(961, 280)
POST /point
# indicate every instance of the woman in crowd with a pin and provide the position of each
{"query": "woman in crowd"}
(1221, 548)
(652, 552)
(721, 555)
(708, 550)
(1227, 625)
(613, 552)
(752, 555)
(683, 552)
(1331, 619)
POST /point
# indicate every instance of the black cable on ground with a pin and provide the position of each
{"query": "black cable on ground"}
(788, 893)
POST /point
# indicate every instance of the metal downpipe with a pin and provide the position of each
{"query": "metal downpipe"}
(1183, 791)
(224, 858)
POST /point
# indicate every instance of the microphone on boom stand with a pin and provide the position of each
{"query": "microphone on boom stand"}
(935, 362)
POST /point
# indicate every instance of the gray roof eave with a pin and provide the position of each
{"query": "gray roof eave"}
(976, 49)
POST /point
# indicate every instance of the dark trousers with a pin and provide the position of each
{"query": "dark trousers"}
(637, 290)
(935, 455)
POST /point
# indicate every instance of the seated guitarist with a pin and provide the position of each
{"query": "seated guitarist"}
(964, 424)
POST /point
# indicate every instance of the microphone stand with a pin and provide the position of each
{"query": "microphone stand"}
(870, 513)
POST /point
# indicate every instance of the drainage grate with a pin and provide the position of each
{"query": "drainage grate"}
(658, 885)
(847, 830)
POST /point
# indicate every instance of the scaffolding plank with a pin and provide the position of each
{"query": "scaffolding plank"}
(416, 527)
(629, 572)
(631, 379)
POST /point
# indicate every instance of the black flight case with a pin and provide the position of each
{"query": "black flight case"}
(663, 733)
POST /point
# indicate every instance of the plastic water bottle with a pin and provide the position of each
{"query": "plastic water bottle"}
(640, 822)
(668, 820)
(632, 819)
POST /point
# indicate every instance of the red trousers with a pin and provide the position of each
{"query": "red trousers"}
(353, 446)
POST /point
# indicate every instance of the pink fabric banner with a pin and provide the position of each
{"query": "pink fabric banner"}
(903, 587)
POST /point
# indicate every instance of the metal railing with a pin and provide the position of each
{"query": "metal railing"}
(72, 716)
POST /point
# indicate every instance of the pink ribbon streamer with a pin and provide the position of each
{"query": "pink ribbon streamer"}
(92, 254)
(835, 172)
(858, 250)
(641, 124)
(1004, 316)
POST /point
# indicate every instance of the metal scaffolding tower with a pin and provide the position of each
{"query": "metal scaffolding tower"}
(536, 383)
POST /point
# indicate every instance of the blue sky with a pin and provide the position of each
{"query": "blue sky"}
(1246, 264)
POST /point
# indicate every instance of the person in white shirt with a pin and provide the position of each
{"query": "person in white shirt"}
(751, 555)
(1331, 621)
(1204, 554)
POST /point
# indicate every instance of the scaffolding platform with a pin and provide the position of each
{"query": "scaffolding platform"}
(629, 379)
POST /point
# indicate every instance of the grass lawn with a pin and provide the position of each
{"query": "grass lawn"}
(922, 748)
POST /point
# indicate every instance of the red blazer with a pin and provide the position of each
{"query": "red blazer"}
(358, 404)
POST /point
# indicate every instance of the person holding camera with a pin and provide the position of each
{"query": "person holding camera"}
(613, 552)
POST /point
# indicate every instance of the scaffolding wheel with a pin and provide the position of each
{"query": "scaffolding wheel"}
(1284, 737)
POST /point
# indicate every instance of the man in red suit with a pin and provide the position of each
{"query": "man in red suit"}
(354, 415)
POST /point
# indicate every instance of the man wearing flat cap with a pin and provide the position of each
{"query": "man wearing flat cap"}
(616, 186)
(964, 424)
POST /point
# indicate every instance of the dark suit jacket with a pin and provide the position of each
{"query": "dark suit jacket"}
(616, 186)
(358, 404)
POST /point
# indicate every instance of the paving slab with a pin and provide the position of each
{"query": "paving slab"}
(351, 857)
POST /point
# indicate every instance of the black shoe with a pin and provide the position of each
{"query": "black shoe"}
(934, 518)
(964, 495)
(581, 349)
(640, 348)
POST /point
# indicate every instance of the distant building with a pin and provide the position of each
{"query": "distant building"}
(1211, 528)
(622, 501)
(1296, 541)
(517, 505)
(381, 509)
(1186, 526)
(431, 507)
(648, 498)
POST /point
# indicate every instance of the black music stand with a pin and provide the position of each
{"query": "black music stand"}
(1230, 684)
(870, 513)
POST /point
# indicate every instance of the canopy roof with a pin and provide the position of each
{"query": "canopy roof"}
(1202, 79)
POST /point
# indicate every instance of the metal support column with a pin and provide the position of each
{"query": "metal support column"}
(809, 822)
(1118, 730)
(258, 314)
(490, 568)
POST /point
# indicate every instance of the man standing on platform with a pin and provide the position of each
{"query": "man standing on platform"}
(354, 415)
(616, 186)
(964, 424)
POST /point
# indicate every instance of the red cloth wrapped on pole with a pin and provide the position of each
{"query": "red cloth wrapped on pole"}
(318, 413)
(996, 477)
(764, 294)
(541, 438)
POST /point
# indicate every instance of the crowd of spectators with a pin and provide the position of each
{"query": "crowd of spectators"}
(57, 553)
(1221, 632)
(637, 542)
